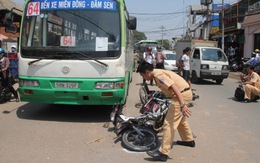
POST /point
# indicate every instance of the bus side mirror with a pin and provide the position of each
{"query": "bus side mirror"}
(9, 17)
(131, 23)
(11, 29)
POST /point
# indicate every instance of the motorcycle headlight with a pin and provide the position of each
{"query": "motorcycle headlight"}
(149, 122)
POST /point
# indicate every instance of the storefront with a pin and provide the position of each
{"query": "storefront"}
(251, 27)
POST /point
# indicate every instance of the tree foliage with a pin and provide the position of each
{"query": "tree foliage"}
(138, 36)
(165, 43)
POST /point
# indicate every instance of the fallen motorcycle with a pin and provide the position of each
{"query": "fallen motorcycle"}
(156, 109)
(145, 94)
(135, 135)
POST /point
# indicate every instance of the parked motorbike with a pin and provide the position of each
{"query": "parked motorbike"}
(136, 136)
(234, 65)
(5, 93)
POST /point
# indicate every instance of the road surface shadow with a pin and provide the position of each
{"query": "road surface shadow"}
(207, 82)
(64, 113)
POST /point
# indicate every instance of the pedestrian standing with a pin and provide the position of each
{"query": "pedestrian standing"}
(185, 63)
(5, 74)
(159, 57)
(180, 63)
(149, 58)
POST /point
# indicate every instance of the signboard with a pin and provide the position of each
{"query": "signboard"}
(215, 20)
(214, 30)
(215, 16)
(230, 18)
(230, 21)
(34, 7)
(218, 7)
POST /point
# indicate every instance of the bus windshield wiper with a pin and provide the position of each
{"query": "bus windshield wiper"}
(48, 57)
(94, 59)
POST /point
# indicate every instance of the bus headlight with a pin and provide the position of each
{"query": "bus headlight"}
(118, 85)
(28, 83)
(109, 85)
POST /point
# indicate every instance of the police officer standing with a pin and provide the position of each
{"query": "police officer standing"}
(174, 86)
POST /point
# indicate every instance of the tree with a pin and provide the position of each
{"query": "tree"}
(138, 36)
(165, 43)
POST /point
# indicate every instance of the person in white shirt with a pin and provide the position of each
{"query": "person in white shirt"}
(148, 56)
(185, 62)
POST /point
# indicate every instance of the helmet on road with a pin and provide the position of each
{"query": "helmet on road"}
(256, 50)
(159, 47)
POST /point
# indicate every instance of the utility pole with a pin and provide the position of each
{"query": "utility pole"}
(208, 22)
(207, 26)
(162, 28)
(183, 19)
(222, 28)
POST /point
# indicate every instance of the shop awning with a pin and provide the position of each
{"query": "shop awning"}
(4, 38)
(252, 19)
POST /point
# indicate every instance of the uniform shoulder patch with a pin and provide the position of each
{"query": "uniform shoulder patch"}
(161, 80)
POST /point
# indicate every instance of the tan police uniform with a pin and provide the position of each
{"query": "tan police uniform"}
(174, 118)
(252, 90)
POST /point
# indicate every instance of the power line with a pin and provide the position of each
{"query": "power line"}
(173, 29)
(170, 13)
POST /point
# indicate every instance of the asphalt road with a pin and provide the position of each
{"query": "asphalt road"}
(226, 130)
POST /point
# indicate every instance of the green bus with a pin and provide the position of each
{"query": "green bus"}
(78, 52)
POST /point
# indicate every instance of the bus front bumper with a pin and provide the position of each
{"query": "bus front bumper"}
(86, 97)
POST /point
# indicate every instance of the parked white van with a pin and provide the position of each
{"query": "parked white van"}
(208, 63)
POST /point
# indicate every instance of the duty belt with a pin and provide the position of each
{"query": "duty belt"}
(186, 89)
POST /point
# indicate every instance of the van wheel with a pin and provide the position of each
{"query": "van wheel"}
(194, 77)
(219, 81)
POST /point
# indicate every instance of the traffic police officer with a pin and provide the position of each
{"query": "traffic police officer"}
(174, 86)
(252, 85)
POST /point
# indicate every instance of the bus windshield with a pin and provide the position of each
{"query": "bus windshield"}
(66, 30)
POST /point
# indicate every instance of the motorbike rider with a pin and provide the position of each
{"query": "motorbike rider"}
(5, 74)
(257, 53)
(174, 86)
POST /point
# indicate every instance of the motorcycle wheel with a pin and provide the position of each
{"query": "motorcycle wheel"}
(143, 95)
(135, 142)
